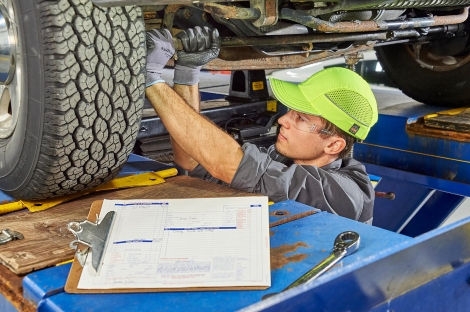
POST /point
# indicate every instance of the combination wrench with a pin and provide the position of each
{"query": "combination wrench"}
(345, 244)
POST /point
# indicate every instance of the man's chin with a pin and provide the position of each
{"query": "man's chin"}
(280, 149)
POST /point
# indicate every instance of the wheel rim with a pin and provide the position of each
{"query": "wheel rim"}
(427, 59)
(9, 70)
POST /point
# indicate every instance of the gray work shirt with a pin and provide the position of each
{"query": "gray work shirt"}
(342, 187)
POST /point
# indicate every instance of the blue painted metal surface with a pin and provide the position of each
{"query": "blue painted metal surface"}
(208, 96)
(419, 206)
(449, 292)
(138, 164)
(428, 273)
(45, 283)
(390, 145)
(390, 272)
(296, 247)
(6, 306)
(5, 198)
(429, 176)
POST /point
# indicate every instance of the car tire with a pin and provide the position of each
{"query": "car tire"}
(72, 94)
(425, 81)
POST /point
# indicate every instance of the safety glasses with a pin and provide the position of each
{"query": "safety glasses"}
(301, 122)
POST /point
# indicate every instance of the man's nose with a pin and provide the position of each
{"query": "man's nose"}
(283, 120)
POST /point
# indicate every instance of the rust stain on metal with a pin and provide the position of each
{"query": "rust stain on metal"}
(244, 58)
(452, 19)
(279, 212)
(230, 12)
(224, 11)
(290, 218)
(346, 27)
(280, 255)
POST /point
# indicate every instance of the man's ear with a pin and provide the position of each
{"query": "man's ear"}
(335, 145)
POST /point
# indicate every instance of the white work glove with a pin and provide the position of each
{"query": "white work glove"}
(201, 45)
(159, 50)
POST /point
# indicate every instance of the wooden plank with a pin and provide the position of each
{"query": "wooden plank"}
(451, 124)
(46, 238)
(12, 290)
(457, 120)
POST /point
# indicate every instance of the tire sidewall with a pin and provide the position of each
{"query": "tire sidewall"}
(443, 88)
(81, 98)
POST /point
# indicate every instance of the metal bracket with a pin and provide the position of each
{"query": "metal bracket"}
(268, 11)
(8, 235)
(93, 235)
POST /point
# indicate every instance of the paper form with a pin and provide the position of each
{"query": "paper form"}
(183, 243)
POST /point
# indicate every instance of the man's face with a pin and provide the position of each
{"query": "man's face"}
(299, 138)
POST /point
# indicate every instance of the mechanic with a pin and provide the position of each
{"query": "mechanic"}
(310, 161)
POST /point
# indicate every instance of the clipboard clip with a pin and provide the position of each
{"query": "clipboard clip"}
(93, 235)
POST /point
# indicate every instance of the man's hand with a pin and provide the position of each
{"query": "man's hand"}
(201, 45)
(159, 50)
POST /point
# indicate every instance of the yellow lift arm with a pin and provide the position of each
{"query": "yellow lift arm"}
(135, 180)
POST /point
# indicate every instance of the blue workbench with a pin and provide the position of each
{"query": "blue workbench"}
(428, 273)
(306, 241)
(389, 272)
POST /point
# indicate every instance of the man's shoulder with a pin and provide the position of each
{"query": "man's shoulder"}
(345, 165)
(351, 162)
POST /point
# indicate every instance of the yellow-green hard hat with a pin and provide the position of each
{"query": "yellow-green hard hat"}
(337, 94)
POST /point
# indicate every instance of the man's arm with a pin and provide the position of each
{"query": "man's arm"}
(196, 139)
(190, 93)
(197, 136)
